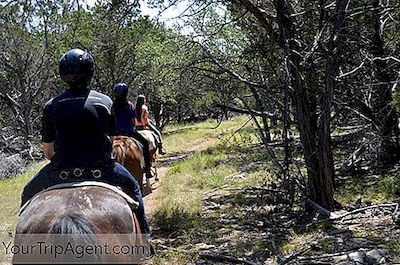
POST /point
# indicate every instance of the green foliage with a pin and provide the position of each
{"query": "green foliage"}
(174, 219)
(371, 189)
(359, 189)
(393, 246)
(396, 101)
(390, 185)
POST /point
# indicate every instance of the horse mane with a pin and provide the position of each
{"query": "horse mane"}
(119, 150)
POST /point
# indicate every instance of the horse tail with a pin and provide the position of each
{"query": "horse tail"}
(71, 224)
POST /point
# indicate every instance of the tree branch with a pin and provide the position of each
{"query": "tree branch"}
(259, 15)
(246, 111)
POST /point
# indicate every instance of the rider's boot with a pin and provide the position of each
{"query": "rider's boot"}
(161, 149)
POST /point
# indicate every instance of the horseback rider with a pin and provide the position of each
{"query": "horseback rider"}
(142, 122)
(124, 113)
(76, 129)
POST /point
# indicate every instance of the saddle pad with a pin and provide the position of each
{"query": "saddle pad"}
(149, 137)
(67, 185)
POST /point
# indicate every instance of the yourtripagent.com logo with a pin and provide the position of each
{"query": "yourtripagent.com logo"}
(88, 248)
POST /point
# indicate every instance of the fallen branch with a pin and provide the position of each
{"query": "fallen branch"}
(319, 257)
(319, 208)
(352, 160)
(226, 258)
(364, 209)
(294, 256)
(256, 189)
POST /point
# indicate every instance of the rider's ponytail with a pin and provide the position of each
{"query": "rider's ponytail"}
(138, 107)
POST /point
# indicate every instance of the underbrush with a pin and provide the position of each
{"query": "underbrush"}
(219, 201)
(368, 188)
(233, 164)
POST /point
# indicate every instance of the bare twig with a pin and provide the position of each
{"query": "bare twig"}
(241, 127)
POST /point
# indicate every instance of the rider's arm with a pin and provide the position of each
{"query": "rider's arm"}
(132, 112)
(48, 150)
(48, 131)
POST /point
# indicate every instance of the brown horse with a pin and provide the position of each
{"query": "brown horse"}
(129, 154)
(101, 214)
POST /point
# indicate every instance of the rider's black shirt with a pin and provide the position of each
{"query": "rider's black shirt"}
(79, 123)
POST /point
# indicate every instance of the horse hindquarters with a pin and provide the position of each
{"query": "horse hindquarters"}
(129, 154)
(89, 216)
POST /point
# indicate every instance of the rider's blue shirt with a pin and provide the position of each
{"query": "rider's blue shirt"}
(124, 113)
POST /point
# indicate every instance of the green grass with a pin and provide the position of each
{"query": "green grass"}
(393, 246)
(296, 242)
(178, 137)
(10, 199)
(181, 192)
(378, 190)
(204, 170)
(187, 182)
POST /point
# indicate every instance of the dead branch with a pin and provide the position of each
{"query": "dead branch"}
(222, 258)
(352, 160)
(319, 208)
(337, 217)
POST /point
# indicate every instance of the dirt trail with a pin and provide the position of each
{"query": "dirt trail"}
(163, 163)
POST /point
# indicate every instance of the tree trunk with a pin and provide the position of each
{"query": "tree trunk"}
(385, 113)
(320, 188)
(326, 163)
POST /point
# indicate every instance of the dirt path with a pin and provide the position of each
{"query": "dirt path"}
(164, 162)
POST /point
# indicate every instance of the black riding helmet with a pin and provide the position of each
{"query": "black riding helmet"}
(121, 90)
(76, 68)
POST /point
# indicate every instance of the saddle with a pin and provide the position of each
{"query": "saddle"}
(132, 203)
